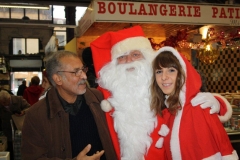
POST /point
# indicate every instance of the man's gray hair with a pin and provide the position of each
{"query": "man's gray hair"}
(53, 64)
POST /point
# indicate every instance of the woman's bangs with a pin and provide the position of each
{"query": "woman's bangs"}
(165, 60)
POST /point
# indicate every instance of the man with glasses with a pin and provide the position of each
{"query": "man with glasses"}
(123, 60)
(68, 123)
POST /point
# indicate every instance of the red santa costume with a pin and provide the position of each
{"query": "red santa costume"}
(194, 133)
(133, 126)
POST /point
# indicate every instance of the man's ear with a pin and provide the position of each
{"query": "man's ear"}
(57, 79)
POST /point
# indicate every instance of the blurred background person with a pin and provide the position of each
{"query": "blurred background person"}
(21, 88)
(88, 62)
(9, 105)
(33, 92)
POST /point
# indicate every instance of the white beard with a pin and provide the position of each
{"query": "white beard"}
(133, 119)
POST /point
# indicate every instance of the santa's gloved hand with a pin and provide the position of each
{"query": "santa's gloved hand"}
(205, 100)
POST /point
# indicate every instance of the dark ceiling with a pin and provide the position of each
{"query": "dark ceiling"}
(87, 2)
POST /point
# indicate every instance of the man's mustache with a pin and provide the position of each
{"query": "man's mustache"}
(83, 81)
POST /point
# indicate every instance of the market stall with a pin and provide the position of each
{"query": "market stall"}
(167, 23)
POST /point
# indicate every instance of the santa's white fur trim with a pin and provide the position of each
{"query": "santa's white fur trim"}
(159, 143)
(106, 106)
(164, 130)
(228, 114)
(218, 155)
(214, 157)
(129, 44)
(233, 156)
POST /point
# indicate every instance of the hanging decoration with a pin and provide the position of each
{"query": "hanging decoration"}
(215, 42)
(154, 45)
(224, 40)
(209, 49)
(208, 55)
(173, 41)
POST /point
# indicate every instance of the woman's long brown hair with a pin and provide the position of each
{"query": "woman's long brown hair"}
(166, 59)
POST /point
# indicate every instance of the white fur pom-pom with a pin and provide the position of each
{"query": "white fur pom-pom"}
(106, 106)
(164, 130)
(159, 143)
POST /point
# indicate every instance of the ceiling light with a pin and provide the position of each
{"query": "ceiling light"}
(203, 31)
(26, 6)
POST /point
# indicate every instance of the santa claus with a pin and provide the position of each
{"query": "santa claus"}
(122, 63)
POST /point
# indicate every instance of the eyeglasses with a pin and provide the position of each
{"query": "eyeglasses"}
(77, 72)
(132, 56)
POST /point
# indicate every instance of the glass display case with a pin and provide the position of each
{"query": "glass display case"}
(232, 126)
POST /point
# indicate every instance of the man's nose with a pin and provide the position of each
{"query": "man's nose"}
(84, 75)
(129, 59)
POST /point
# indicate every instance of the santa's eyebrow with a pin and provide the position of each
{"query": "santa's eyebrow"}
(125, 54)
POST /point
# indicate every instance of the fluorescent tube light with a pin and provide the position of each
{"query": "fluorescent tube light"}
(24, 6)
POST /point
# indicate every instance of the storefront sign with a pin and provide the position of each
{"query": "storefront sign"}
(162, 13)
(143, 12)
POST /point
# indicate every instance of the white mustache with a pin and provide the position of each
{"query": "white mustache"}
(83, 81)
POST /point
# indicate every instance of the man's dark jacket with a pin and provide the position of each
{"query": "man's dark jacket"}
(45, 133)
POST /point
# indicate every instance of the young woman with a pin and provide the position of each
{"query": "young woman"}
(194, 133)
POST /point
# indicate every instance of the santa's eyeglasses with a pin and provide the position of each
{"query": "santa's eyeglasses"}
(132, 56)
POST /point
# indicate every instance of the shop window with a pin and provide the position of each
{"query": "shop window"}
(17, 13)
(31, 14)
(19, 46)
(25, 45)
(45, 14)
(79, 13)
(59, 15)
(32, 45)
(4, 13)
(60, 33)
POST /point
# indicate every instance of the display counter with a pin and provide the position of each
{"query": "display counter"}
(232, 128)
(235, 140)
